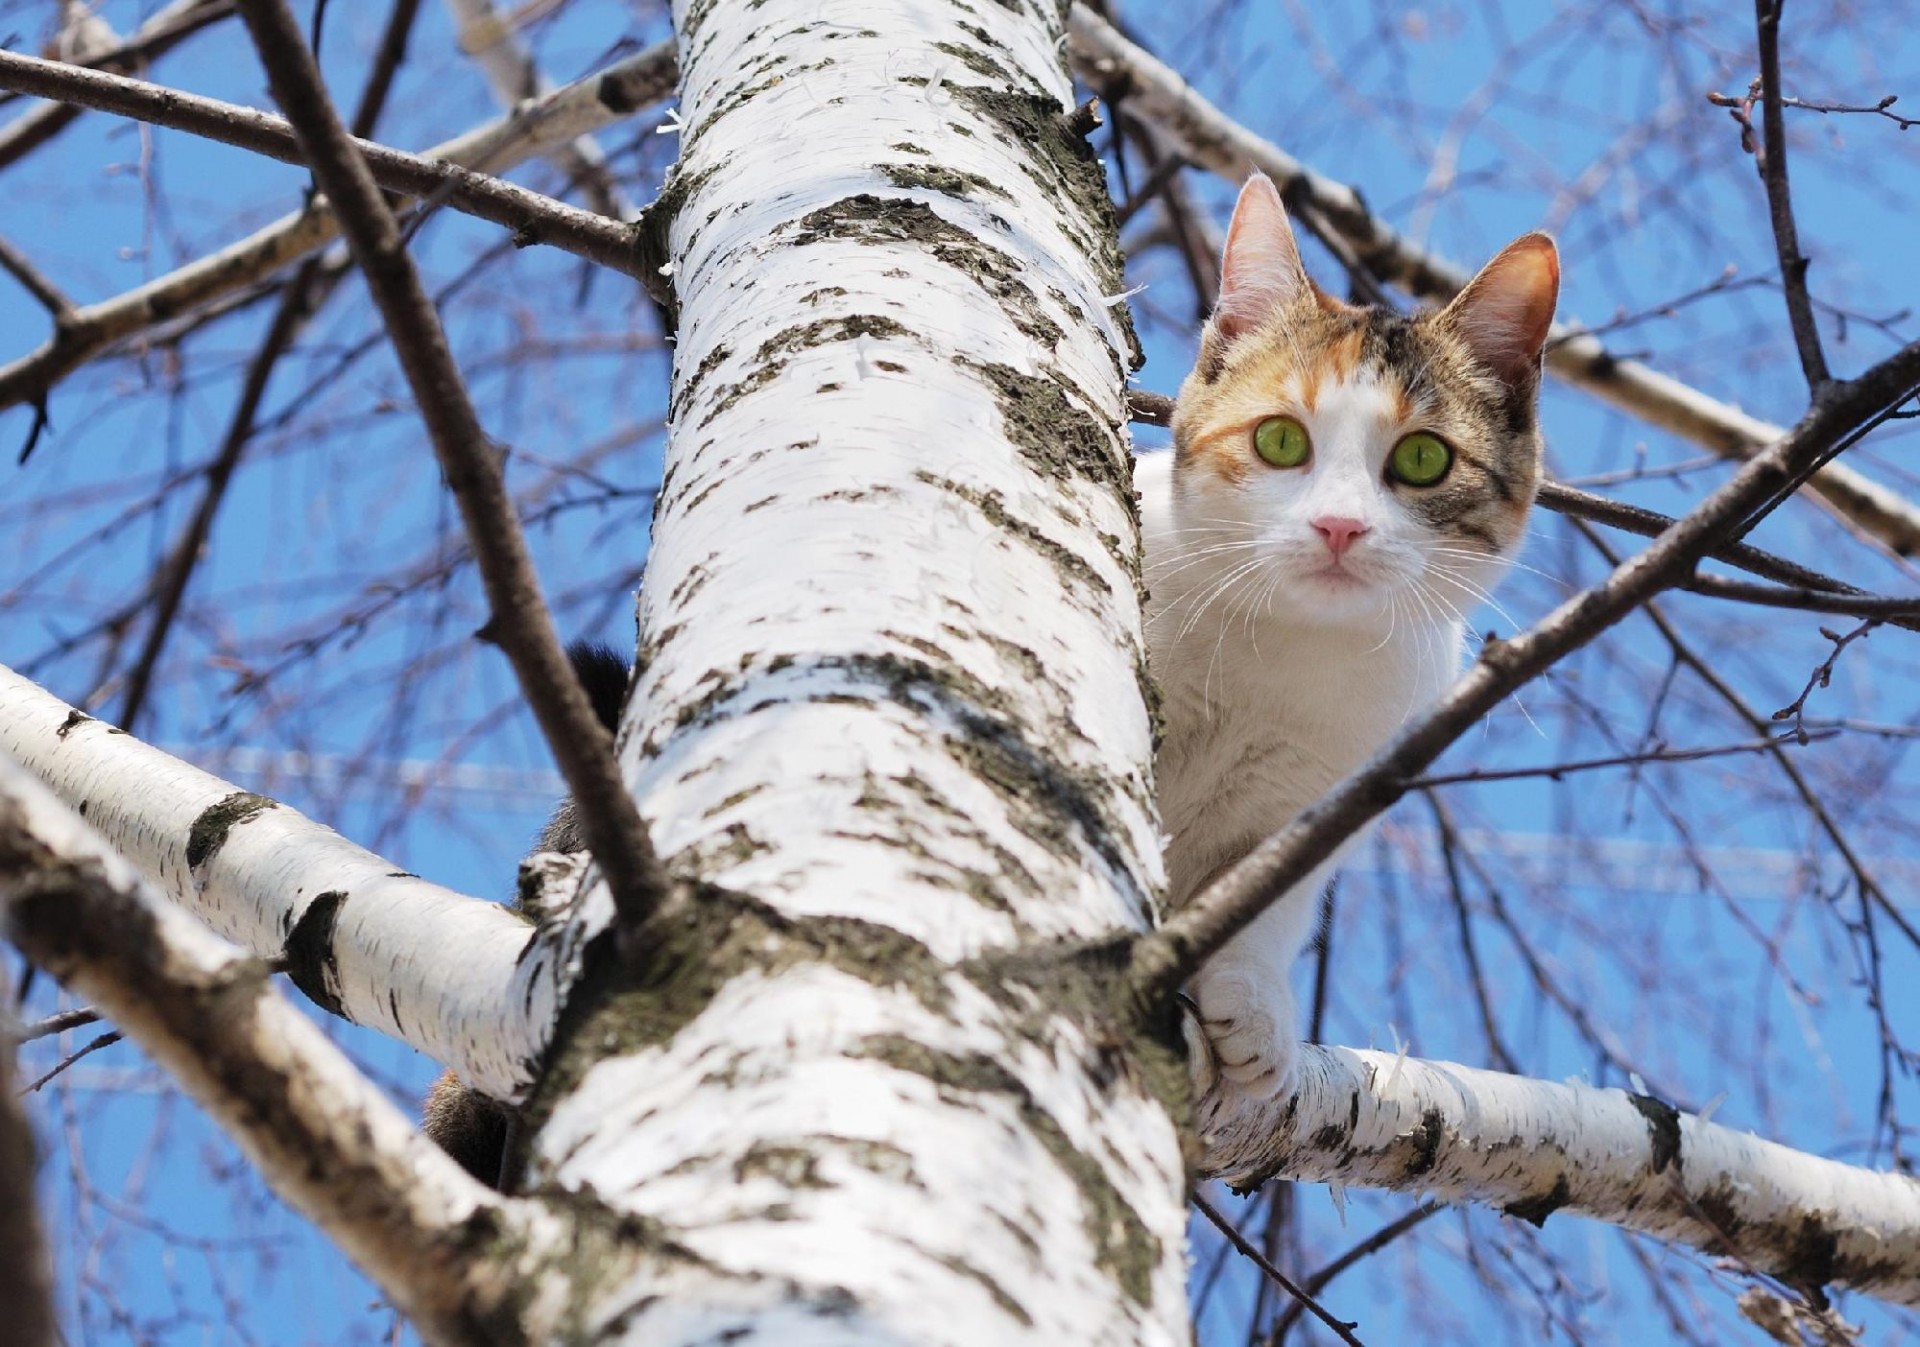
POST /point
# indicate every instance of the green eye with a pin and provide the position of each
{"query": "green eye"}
(1420, 459)
(1281, 441)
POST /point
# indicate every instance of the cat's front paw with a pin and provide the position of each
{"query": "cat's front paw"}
(1249, 1019)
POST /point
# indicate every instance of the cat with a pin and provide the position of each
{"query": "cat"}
(469, 1126)
(1345, 484)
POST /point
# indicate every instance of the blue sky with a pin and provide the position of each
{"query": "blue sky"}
(1686, 922)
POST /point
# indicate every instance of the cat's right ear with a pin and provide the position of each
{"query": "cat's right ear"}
(1260, 273)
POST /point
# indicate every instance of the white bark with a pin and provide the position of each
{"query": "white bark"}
(891, 711)
(433, 968)
(1214, 141)
(324, 1136)
(1532, 1148)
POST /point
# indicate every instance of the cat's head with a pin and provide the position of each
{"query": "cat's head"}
(1370, 462)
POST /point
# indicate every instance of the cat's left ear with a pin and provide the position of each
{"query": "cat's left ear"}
(1504, 315)
(1260, 273)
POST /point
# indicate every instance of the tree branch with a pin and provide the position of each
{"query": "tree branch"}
(34, 282)
(520, 622)
(325, 1137)
(26, 1273)
(244, 865)
(308, 289)
(515, 78)
(1213, 141)
(1165, 958)
(28, 132)
(1770, 157)
(618, 91)
(1532, 1148)
(539, 218)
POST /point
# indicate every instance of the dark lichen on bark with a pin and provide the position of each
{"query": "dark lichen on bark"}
(1059, 438)
(209, 831)
(1123, 1246)
(1663, 1130)
(865, 218)
(946, 181)
(1066, 168)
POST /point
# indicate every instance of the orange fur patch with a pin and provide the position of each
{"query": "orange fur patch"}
(1224, 453)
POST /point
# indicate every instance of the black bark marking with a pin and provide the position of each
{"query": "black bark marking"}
(209, 831)
(1535, 1210)
(311, 965)
(1663, 1130)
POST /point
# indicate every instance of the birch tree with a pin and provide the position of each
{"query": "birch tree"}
(862, 1021)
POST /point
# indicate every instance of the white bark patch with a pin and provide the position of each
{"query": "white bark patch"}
(433, 968)
(1533, 1148)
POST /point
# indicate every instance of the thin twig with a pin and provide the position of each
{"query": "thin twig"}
(34, 281)
(520, 622)
(1658, 753)
(94, 1045)
(1366, 1248)
(1822, 676)
(1343, 1331)
(299, 301)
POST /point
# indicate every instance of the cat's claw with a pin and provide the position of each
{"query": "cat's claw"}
(1250, 1029)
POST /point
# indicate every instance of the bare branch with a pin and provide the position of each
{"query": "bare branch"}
(27, 133)
(26, 1273)
(324, 1136)
(1904, 610)
(1168, 956)
(1657, 753)
(1770, 157)
(520, 622)
(1365, 1249)
(1533, 1147)
(241, 863)
(515, 78)
(1341, 1330)
(537, 218)
(1214, 141)
(617, 91)
(34, 281)
(302, 297)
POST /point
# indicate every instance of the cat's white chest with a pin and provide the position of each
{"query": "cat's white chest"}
(1262, 714)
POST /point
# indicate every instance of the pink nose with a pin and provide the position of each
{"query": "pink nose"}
(1339, 531)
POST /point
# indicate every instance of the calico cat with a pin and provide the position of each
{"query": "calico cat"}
(1345, 484)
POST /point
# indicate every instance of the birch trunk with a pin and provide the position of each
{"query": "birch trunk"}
(892, 717)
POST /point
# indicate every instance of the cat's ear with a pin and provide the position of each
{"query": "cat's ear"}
(1504, 315)
(1260, 272)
